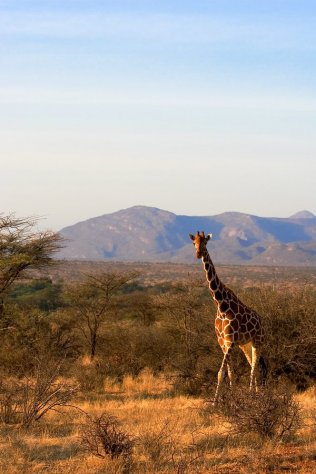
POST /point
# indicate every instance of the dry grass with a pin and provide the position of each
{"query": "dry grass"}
(146, 384)
(171, 433)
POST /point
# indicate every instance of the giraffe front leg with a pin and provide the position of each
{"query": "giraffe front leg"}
(220, 378)
(230, 369)
(221, 372)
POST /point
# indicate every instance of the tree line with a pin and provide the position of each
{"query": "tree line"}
(108, 325)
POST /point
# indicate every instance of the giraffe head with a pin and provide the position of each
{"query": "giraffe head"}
(200, 242)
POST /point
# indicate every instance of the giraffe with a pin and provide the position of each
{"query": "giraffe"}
(235, 323)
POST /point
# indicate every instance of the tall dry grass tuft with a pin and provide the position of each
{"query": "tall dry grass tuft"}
(146, 383)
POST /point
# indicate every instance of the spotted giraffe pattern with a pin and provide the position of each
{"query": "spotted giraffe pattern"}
(235, 323)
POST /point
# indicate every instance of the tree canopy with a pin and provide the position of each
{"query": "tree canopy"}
(22, 248)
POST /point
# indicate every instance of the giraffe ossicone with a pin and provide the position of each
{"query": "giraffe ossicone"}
(235, 322)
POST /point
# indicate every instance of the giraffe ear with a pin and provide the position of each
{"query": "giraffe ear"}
(191, 237)
(210, 236)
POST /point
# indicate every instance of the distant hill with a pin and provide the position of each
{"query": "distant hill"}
(143, 233)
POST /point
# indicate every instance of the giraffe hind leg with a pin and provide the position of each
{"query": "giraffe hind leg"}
(251, 355)
(254, 364)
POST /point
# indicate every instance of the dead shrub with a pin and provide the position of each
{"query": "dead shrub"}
(102, 437)
(270, 413)
(28, 399)
(39, 397)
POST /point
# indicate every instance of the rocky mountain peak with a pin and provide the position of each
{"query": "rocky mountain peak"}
(142, 233)
(303, 215)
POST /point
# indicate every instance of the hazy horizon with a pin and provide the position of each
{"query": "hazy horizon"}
(196, 108)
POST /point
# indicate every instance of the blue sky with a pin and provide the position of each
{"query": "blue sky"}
(197, 107)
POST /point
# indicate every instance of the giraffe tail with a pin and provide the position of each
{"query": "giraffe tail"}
(263, 370)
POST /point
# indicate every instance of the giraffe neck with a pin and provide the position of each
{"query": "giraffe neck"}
(216, 287)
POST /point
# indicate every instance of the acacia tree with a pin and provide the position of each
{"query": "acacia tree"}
(22, 248)
(92, 300)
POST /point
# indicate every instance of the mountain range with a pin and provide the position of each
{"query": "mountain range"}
(142, 233)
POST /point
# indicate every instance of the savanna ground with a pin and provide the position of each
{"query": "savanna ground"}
(171, 434)
(146, 368)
